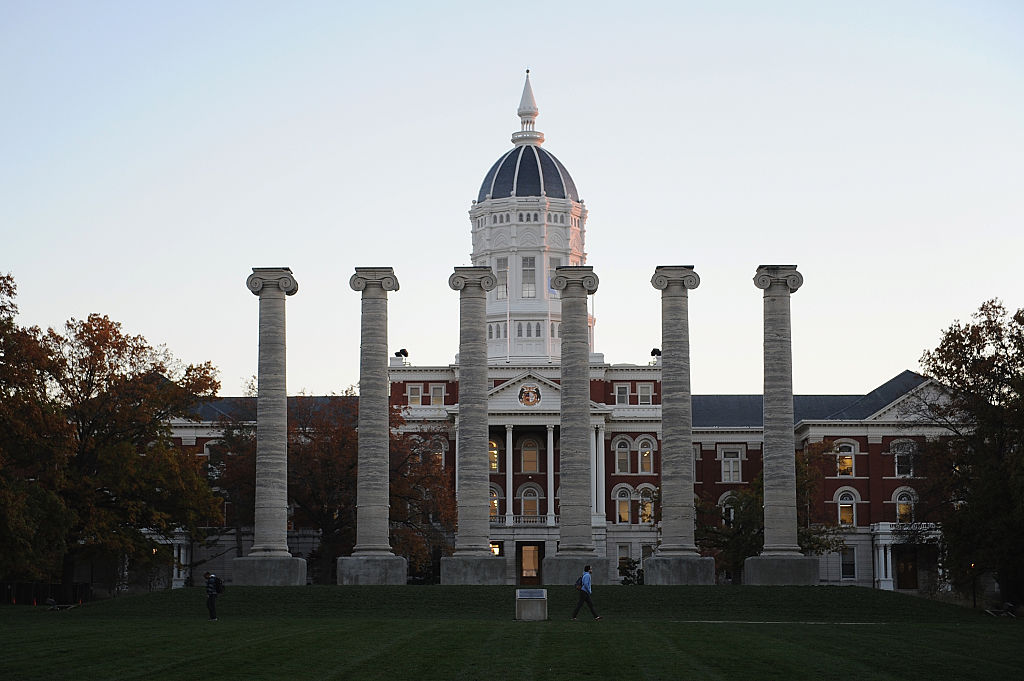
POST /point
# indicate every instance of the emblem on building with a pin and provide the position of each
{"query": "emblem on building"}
(529, 396)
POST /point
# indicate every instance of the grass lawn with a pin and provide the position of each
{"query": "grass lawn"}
(437, 632)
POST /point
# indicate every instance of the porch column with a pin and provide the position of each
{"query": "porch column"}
(551, 474)
(509, 494)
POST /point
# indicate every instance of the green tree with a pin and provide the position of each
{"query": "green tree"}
(974, 477)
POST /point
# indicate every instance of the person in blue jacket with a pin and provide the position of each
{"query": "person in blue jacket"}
(585, 591)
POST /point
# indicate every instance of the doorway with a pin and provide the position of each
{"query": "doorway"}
(529, 558)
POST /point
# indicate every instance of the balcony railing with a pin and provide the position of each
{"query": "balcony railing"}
(522, 520)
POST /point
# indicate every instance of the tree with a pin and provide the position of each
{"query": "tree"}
(736, 532)
(974, 477)
(322, 478)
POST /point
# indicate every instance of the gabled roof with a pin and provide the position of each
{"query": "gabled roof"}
(880, 397)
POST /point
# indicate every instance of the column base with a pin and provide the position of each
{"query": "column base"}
(667, 570)
(565, 569)
(472, 570)
(269, 571)
(372, 570)
(795, 570)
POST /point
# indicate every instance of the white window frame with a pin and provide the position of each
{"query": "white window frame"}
(897, 500)
(522, 457)
(501, 271)
(414, 394)
(622, 445)
(844, 449)
(903, 449)
(529, 276)
(843, 552)
(618, 388)
(640, 455)
(437, 393)
(645, 393)
(725, 462)
(841, 502)
(623, 500)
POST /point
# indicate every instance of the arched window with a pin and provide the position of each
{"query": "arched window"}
(646, 505)
(494, 502)
(537, 330)
(622, 506)
(531, 502)
(621, 456)
(520, 217)
(535, 217)
(727, 502)
(493, 454)
(847, 509)
(527, 217)
(519, 330)
(530, 457)
(504, 329)
(552, 329)
(903, 453)
(559, 330)
(490, 332)
(904, 507)
(646, 456)
(529, 330)
(845, 459)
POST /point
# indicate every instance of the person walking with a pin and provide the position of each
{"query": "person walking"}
(585, 589)
(211, 595)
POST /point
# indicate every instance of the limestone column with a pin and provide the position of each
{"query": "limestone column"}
(269, 563)
(781, 561)
(372, 561)
(551, 474)
(509, 493)
(677, 560)
(576, 539)
(473, 562)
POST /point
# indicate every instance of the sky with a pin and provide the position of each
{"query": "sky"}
(152, 153)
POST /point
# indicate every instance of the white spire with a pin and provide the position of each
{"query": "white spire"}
(527, 115)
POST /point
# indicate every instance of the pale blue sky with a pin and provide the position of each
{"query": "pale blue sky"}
(152, 153)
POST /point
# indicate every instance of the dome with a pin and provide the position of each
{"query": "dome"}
(528, 170)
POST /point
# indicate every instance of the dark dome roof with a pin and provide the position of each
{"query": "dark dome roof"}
(528, 170)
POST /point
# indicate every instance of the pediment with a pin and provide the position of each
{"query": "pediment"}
(526, 392)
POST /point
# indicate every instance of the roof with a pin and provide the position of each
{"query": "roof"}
(244, 408)
(528, 170)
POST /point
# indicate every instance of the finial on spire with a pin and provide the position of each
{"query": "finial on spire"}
(527, 115)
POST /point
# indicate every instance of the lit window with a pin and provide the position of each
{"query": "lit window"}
(492, 453)
(848, 563)
(494, 502)
(645, 393)
(905, 507)
(529, 277)
(844, 460)
(415, 393)
(847, 506)
(622, 506)
(501, 269)
(530, 457)
(622, 393)
(646, 457)
(531, 503)
(436, 394)
(646, 506)
(621, 456)
(903, 453)
(731, 465)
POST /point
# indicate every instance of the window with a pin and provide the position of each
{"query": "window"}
(531, 502)
(844, 459)
(731, 465)
(645, 393)
(494, 502)
(622, 506)
(536, 329)
(728, 511)
(903, 453)
(623, 552)
(646, 506)
(621, 393)
(501, 269)
(529, 330)
(847, 509)
(530, 456)
(529, 277)
(553, 264)
(415, 394)
(621, 456)
(492, 453)
(490, 332)
(519, 330)
(848, 563)
(436, 394)
(904, 507)
(646, 456)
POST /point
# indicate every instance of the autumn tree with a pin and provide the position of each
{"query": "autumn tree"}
(127, 487)
(322, 477)
(736, 532)
(974, 477)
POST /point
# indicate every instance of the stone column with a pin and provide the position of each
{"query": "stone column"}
(372, 561)
(473, 562)
(269, 563)
(576, 539)
(551, 474)
(781, 561)
(509, 493)
(677, 560)
(602, 491)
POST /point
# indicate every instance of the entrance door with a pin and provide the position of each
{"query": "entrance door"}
(906, 568)
(528, 561)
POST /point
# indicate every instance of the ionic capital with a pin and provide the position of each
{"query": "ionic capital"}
(666, 275)
(466, 276)
(374, 276)
(778, 274)
(577, 274)
(269, 278)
